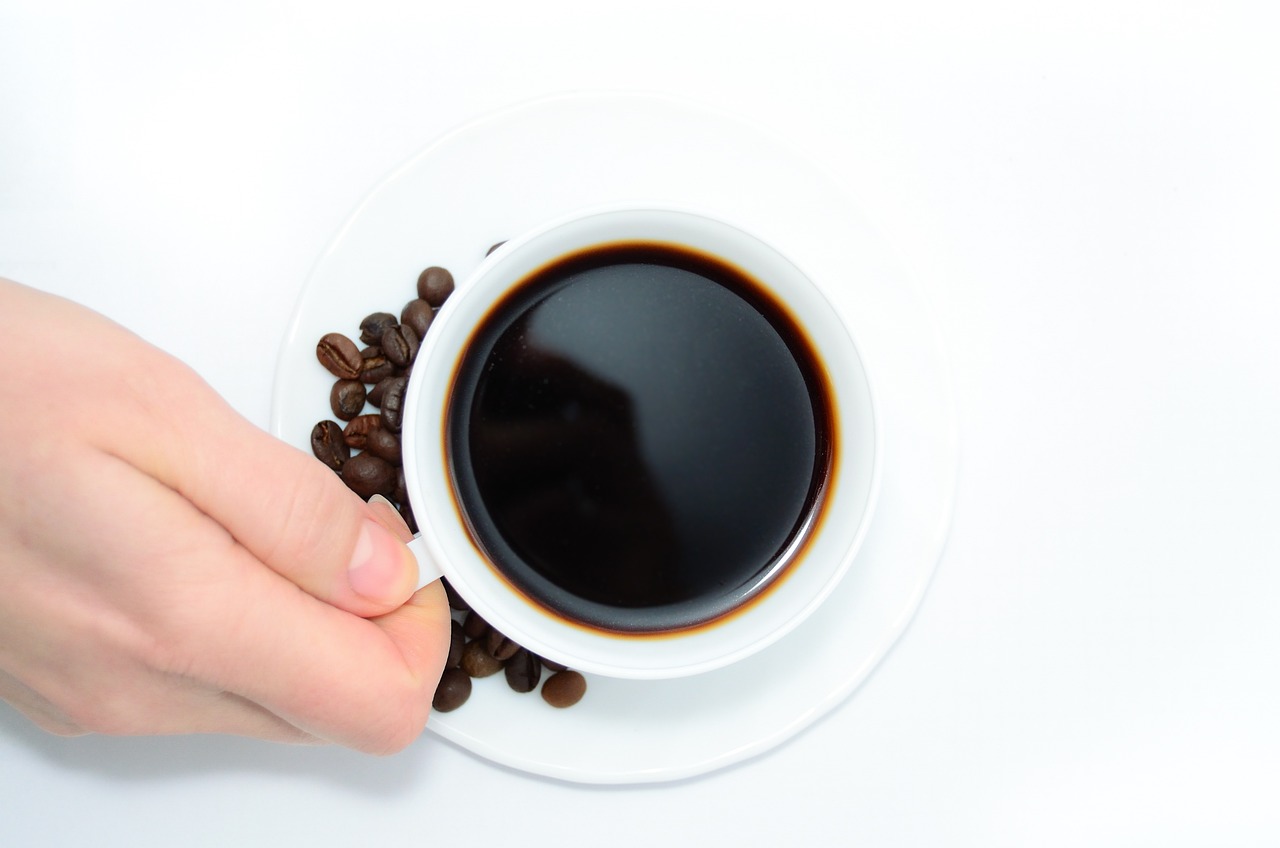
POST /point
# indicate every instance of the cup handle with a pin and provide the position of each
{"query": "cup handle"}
(428, 568)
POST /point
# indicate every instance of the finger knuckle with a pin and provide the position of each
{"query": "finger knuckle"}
(403, 719)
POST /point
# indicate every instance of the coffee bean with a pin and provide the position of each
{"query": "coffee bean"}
(356, 433)
(552, 665)
(340, 355)
(393, 404)
(418, 314)
(384, 444)
(368, 475)
(374, 365)
(434, 285)
(346, 399)
(328, 446)
(400, 345)
(400, 494)
(523, 671)
(379, 389)
(455, 600)
(452, 691)
(478, 662)
(500, 647)
(456, 642)
(406, 512)
(474, 626)
(564, 689)
(372, 327)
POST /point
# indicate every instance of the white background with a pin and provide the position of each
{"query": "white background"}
(1085, 193)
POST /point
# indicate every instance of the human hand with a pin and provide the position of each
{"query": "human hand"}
(167, 567)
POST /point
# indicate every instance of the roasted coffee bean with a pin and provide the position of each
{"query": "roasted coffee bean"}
(328, 445)
(406, 512)
(564, 689)
(418, 314)
(400, 345)
(374, 365)
(340, 355)
(356, 433)
(500, 647)
(455, 600)
(393, 404)
(523, 671)
(456, 643)
(552, 665)
(368, 475)
(452, 691)
(379, 389)
(381, 442)
(434, 285)
(372, 327)
(346, 399)
(474, 626)
(400, 494)
(494, 247)
(478, 662)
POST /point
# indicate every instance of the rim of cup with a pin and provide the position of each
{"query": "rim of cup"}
(841, 519)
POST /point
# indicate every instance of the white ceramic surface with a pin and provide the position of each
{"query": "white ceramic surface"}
(505, 174)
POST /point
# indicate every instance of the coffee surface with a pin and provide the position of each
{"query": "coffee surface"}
(637, 434)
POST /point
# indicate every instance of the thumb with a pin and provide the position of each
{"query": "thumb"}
(305, 524)
(380, 569)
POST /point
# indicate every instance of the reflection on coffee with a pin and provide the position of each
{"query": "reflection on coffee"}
(639, 436)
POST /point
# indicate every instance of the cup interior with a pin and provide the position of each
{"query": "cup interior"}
(839, 523)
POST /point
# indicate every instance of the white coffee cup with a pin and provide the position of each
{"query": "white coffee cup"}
(806, 575)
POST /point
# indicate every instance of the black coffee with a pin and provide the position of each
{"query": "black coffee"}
(639, 435)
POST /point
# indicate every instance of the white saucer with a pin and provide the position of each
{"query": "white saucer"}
(511, 171)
